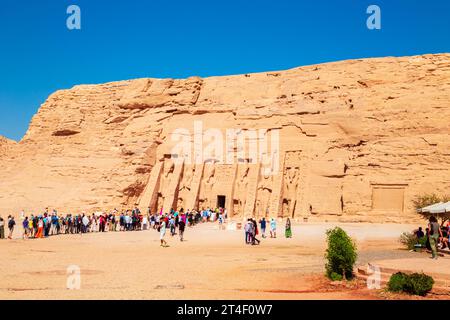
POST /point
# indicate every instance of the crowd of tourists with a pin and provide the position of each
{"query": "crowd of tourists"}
(436, 236)
(52, 223)
(251, 230)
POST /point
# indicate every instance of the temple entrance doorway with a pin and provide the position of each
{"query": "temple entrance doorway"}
(221, 200)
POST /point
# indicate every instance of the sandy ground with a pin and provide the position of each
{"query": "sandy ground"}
(210, 264)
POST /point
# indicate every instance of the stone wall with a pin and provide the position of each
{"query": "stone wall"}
(359, 139)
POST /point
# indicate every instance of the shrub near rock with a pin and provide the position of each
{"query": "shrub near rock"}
(341, 255)
(417, 283)
(397, 282)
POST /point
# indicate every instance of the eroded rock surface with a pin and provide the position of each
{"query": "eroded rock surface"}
(358, 140)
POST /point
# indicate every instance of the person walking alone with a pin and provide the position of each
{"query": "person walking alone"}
(288, 229)
(262, 223)
(273, 228)
(162, 233)
(435, 232)
(181, 226)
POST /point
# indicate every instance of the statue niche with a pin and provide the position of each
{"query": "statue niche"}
(240, 192)
(265, 188)
(291, 181)
(185, 185)
(168, 169)
(206, 194)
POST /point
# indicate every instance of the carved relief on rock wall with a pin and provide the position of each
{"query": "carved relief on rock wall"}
(206, 190)
(265, 190)
(167, 175)
(291, 179)
(240, 189)
(185, 187)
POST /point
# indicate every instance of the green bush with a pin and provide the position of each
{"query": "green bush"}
(423, 241)
(335, 276)
(397, 282)
(419, 284)
(341, 255)
(416, 283)
(409, 240)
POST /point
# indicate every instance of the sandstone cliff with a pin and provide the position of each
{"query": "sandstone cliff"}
(360, 138)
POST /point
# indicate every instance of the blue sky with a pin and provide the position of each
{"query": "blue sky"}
(162, 38)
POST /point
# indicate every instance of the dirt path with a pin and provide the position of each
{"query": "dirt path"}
(210, 264)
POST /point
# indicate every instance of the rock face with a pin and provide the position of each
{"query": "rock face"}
(357, 141)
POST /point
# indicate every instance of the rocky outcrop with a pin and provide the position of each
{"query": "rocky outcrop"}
(358, 140)
(6, 145)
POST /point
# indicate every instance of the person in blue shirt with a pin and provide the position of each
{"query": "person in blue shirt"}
(262, 223)
(273, 228)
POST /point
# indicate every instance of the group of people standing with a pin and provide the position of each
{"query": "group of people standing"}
(436, 236)
(251, 230)
(50, 224)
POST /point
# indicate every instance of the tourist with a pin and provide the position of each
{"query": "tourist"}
(221, 221)
(152, 221)
(162, 233)
(419, 233)
(11, 224)
(273, 228)
(54, 224)
(2, 228)
(435, 232)
(181, 226)
(254, 232)
(288, 232)
(35, 226)
(262, 223)
(121, 222)
(31, 227)
(40, 230)
(46, 225)
(172, 226)
(248, 231)
(25, 225)
(102, 223)
(85, 221)
(444, 238)
(144, 223)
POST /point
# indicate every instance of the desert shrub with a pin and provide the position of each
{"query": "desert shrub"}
(341, 255)
(423, 241)
(335, 276)
(419, 284)
(416, 283)
(425, 200)
(409, 240)
(397, 282)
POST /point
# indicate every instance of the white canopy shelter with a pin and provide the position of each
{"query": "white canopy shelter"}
(429, 208)
(441, 208)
